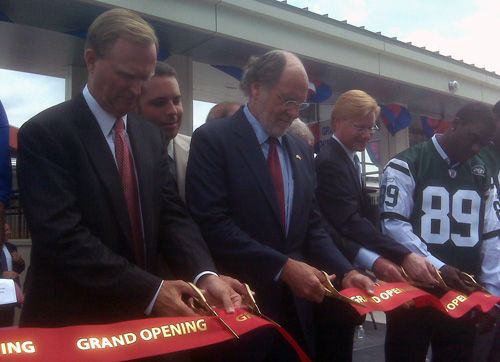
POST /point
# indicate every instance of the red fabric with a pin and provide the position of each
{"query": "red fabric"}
(129, 183)
(273, 160)
(392, 295)
(128, 340)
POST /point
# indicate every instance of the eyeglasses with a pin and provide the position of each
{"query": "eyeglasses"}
(370, 130)
(292, 104)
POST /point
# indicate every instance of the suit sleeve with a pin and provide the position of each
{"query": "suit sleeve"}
(208, 198)
(180, 239)
(321, 252)
(341, 209)
(396, 207)
(64, 247)
(490, 249)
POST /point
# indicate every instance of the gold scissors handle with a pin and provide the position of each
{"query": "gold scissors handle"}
(330, 291)
(413, 282)
(440, 280)
(202, 301)
(473, 285)
(252, 304)
(249, 300)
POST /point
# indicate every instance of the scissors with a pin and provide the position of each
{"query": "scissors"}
(442, 284)
(472, 285)
(413, 282)
(330, 291)
(252, 304)
(202, 301)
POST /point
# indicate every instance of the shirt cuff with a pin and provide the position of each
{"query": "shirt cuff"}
(365, 259)
(202, 274)
(150, 306)
(149, 309)
(435, 261)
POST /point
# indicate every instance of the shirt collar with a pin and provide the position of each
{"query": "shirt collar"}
(349, 153)
(261, 134)
(439, 148)
(170, 149)
(106, 120)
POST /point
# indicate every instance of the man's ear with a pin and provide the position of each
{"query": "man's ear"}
(256, 88)
(90, 59)
(334, 123)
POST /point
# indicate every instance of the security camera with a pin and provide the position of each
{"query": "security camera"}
(453, 85)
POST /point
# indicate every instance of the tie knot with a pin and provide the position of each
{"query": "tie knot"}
(356, 159)
(119, 125)
(272, 140)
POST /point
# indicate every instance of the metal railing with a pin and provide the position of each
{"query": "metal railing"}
(14, 216)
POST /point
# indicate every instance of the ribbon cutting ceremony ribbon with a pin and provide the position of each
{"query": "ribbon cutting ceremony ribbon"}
(202, 301)
(390, 296)
(129, 340)
(330, 291)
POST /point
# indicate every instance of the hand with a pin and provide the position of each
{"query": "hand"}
(169, 302)
(419, 269)
(304, 280)
(453, 278)
(355, 279)
(9, 274)
(235, 284)
(219, 293)
(387, 271)
(17, 258)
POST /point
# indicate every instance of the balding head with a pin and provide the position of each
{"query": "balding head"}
(277, 86)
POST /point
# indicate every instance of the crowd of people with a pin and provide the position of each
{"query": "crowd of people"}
(124, 211)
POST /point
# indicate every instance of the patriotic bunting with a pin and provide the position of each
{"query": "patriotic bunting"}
(395, 117)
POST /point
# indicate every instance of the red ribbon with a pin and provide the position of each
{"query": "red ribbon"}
(392, 295)
(129, 340)
(150, 337)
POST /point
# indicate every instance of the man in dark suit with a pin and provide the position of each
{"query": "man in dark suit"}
(96, 200)
(343, 199)
(347, 209)
(259, 217)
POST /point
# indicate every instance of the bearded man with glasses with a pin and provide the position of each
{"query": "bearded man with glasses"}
(250, 187)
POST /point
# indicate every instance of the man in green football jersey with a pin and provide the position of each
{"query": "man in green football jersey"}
(489, 345)
(437, 199)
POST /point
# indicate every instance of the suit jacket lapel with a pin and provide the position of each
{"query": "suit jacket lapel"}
(248, 144)
(181, 152)
(299, 181)
(144, 167)
(349, 165)
(103, 162)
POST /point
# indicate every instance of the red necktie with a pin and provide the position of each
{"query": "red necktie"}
(273, 160)
(129, 183)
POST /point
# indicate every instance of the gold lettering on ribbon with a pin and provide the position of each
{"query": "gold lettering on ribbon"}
(385, 295)
(455, 302)
(106, 342)
(243, 317)
(147, 334)
(17, 347)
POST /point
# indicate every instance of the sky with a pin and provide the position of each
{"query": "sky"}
(464, 29)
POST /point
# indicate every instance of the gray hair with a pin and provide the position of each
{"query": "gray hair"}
(265, 69)
(301, 130)
(117, 23)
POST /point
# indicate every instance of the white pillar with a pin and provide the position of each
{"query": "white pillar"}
(76, 78)
(391, 145)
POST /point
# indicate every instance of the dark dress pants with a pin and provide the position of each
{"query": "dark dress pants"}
(335, 322)
(411, 331)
